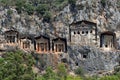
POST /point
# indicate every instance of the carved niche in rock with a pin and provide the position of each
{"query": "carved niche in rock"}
(11, 36)
(59, 45)
(108, 40)
(42, 44)
(83, 33)
(26, 43)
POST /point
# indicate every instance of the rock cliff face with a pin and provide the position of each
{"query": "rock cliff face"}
(93, 60)
(105, 13)
(106, 16)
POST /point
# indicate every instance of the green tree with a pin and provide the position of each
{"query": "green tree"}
(34, 2)
(103, 2)
(118, 74)
(109, 78)
(16, 66)
(60, 1)
(71, 1)
(50, 75)
(29, 8)
(20, 5)
(62, 72)
(7, 3)
(79, 71)
(9, 12)
(47, 16)
(42, 8)
(90, 78)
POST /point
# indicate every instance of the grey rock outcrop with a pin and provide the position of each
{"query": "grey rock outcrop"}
(93, 60)
(106, 16)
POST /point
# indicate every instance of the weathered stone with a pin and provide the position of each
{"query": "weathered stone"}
(92, 59)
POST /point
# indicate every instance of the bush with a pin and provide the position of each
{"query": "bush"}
(118, 75)
(49, 75)
(117, 69)
(20, 5)
(69, 77)
(9, 12)
(103, 2)
(60, 1)
(71, 1)
(91, 78)
(109, 78)
(60, 4)
(40, 77)
(47, 17)
(6, 3)
(29, 8)
(62, 71)
(79, 71)
(42, 8)
(16, 66)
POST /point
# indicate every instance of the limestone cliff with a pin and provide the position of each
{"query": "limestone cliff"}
(105, 13)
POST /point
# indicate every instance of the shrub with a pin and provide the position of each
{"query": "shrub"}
(118, 75)
(71, 1)
(103, 2)
(80, 7)
(19, 5)
(91, 78)
(62, 71)
(49, 75)
(47, 17)
(29, 8)
(69, 77)
(79, 71)
(42, 8)
(5, 3)
(9, 12)
(117, 69)
(109, 78)
(16, 66)
(59, 1)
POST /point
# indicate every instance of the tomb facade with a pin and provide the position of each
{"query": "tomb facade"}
(2, 42)
(11, 37)
(80, 33)
(26, 43)
(59, 45)
(83, 33)
(42, 44)
(108, 40)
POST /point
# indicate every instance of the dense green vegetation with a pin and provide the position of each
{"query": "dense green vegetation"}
(18, 66)
(103, 2)
(59, 74)
(43, 8)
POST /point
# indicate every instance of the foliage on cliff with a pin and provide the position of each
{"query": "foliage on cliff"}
(43, 8)
(16, 66)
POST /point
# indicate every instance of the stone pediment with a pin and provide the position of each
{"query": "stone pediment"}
(59, 39)
(83, 22)
(41, 37)
(108, 33)
(83, 25)
(11, 31)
